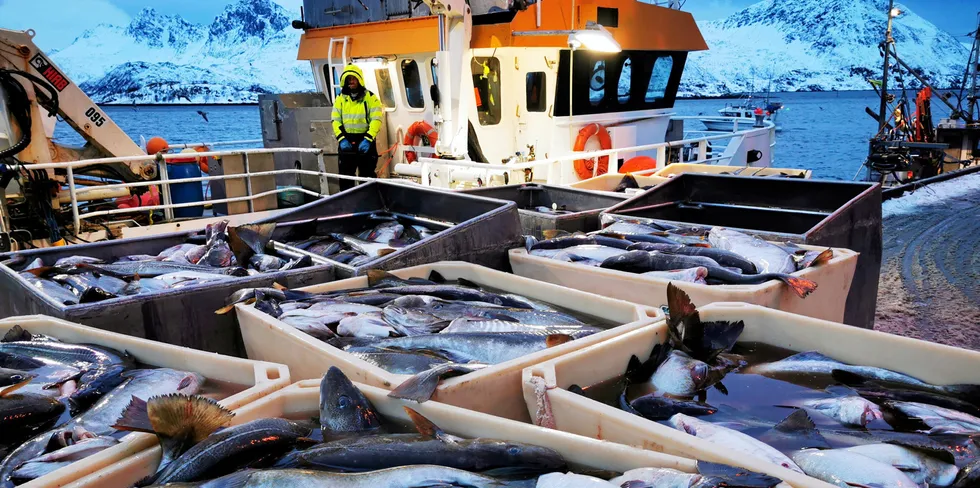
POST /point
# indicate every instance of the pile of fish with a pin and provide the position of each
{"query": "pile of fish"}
(221, 254)
(693, 254)
(351, 445)
(60, 401)
(879, 428)
(629, 183)
(383, 233)
(424, 327)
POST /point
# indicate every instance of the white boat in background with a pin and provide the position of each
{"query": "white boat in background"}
(743, 114)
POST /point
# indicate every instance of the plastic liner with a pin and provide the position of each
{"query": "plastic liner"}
(481, 228)
(580, 415)
(301, 400)
(184, 316)
(827, 302)
(816, 212)
(259, 378)
(675, 169)
(495, 390)
(583, 206)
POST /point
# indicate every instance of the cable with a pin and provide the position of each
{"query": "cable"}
(20, 105)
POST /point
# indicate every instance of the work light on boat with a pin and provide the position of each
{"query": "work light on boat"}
(594, 38)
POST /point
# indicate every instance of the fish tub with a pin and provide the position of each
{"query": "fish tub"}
(674, 169)
(183, 317)
(474, 229)
(495, 390)
(594, 365)
(608, 182)
(815, 212)
(577, 210)
(833, 281)
(255, 379)
(301, 401)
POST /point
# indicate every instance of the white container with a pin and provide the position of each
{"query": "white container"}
(301, 400)
(608, 182)
(827, 302)
(495, 390)
(259, 378)
(579, 415)
(675, 169)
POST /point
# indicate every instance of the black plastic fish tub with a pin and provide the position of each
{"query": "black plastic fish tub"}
(182, 317)
(815, 212)
(474, 229)
(584, 206)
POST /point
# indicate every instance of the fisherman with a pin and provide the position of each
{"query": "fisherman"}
(356, 122)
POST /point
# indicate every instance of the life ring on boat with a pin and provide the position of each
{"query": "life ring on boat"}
(584, 167)
(419, 130)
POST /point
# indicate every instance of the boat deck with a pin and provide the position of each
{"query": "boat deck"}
(930, 273)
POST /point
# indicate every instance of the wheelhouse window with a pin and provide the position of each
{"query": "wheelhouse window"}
(537, 96)
(486, 89)
(385, 92)
(620, 82)
(413, 84)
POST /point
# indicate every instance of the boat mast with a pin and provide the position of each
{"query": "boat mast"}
(882, 116)
(973, 72)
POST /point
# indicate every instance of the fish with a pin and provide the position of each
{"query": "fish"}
(400, 362)
(722, 257)
(653, 407)
(845, 468)
(940, 420)
(878, 394)
(368, 248)
(265, 263)
(476, 324)
(245, 240)
(920, 467)
(690, 275)
(683, 376)
(572, 480)
(767, 257)
(218, 255)
(32, 470)
(626, 183)
(731, 439)
(420, 387)
(449, 310)
(143, 286)
(627, 227)
(849, 410)
(51, 289)
(445, 292)
(24, 415)
(796, 431)
(816, 363)
(399, 477)
(410, 321)
(430, 446)
(232, 448)
(370, 324)
(71, 262)
(343, 408)
(386, 231)
(969, 476)
(83, 448)
(150, 269)
(492, 348)
(84, 287)
(13, 377)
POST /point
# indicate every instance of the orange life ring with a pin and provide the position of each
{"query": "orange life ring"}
(583, 167)
(419, 130)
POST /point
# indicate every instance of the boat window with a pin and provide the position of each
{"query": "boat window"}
(597, 84)
(385, 92)
(659, 78)
(486, 89)
(623, 89)
(413, 84)
(537, 97)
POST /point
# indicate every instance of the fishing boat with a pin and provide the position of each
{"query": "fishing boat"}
(743, 114)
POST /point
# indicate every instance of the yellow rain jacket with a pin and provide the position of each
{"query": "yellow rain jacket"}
(356, 116)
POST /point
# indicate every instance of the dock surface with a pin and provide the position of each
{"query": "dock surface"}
(930, 272)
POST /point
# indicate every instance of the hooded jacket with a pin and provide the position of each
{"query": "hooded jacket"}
(356, 113)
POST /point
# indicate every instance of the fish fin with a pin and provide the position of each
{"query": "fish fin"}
(187, 417)
(12, 388)
(822, 258)
(941, 454)
(681, 310)
(386, 251)
(725, 475)
(637, 484)
(864, 485)
(375, 276)
(225, 309)
(801, 286)
(279, 286)
(720, 387)
(554, 233)
(16, 334)
(436, 277)
(420, 387)
(238, 479)
(557, 339)
(576, 389)
(625, 405)
(797, 421)
(427, 428)
(134, 417)
(467, 283)
(848, 378)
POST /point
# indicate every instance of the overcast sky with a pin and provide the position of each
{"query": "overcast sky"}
(58, 22)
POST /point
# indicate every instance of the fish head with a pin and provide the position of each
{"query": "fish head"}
(860, 410)
(190, 384)
(527, 457)
(343, 408)
(686, 423)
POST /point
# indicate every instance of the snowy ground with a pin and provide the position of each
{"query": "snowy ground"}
(930, 274)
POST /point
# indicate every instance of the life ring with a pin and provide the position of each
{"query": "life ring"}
(419, 130)
(584, 167)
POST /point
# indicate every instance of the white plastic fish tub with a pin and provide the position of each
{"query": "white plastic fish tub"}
(675, 169)
(608, 182)
(301, 400)
(260, 379)
(826, 302)
(585, 367)
(495, 390)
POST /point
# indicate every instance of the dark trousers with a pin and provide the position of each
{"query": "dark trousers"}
(354, 163)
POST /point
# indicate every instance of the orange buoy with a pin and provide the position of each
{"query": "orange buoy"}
(638, 163)
(584, 167)
(203, 161)
(156, 144)
(422, 131)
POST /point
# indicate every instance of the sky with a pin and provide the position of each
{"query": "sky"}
(64, 20)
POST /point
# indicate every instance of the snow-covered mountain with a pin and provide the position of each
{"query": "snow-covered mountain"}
(249, 49)
(815, 45)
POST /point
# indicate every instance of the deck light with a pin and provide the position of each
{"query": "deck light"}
(895, 12)
(594, 38)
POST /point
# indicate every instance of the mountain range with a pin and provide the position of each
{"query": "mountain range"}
(250, 49)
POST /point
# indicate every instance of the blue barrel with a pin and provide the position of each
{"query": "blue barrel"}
(186, 192)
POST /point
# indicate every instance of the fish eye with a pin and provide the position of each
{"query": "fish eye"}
(343, 401)
(513, 450)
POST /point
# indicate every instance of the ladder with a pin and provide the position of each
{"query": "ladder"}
(336, 67)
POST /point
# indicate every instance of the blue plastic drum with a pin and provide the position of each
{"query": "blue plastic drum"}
(186, 192)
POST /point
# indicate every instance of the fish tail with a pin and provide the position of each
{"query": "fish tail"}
(15, 334)
(185, 416)
(801, 286)
(422, 386)
(822, 258)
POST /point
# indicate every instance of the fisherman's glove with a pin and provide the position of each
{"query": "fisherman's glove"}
(346, 146)
(364, 146)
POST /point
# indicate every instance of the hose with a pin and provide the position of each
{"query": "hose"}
(20, 105)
